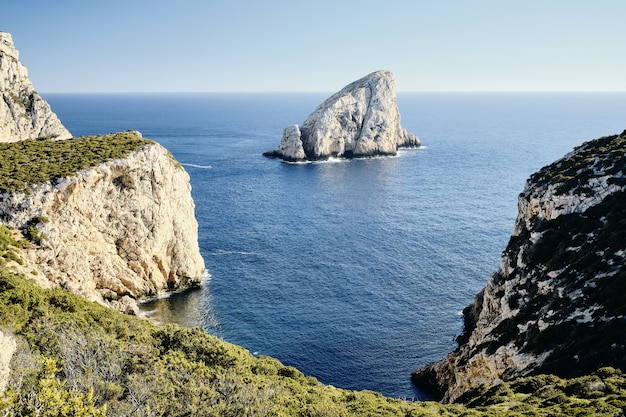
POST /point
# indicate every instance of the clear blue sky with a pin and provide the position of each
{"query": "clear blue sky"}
(319, 45)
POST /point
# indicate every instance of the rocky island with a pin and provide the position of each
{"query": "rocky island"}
(557, 304)
(361, 120)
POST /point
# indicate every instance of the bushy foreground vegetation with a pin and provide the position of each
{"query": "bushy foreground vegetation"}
(78, 358)
(28, 162)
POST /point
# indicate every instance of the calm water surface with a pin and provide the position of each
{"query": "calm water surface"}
(356, 271)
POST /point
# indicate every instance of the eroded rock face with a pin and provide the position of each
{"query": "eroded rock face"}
(361, 120)
(23, 113)
(118, 232)
(7, 349)
(558, 301)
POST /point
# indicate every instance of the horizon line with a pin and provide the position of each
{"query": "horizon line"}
(331, 92)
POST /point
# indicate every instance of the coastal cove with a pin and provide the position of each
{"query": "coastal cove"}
(352, 271)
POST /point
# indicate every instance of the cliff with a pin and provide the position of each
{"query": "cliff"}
(114, 232)
(23, 113)
(7, 349)
(361, 120)
(557, 303)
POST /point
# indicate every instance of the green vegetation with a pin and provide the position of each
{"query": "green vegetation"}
(606, 155)
(33, 234)
(78, 358)
(30, 162)
(10, 246)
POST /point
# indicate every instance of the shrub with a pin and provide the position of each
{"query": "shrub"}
(29, 162)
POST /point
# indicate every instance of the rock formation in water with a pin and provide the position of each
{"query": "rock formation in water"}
(361, 120)
(114, 233)
(23, 113)
(557, 304)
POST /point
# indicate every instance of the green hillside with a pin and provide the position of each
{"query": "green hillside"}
(78, 358)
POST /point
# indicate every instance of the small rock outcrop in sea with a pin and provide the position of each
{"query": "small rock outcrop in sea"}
(557, 304)
(361, 120)
(23, 113)
(114, 233)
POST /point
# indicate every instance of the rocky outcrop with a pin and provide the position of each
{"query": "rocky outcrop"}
(7, 349)
(361, 120)
(23, 113)
(557, 304)
(115, 233)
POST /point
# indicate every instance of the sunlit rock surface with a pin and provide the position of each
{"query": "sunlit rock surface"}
(23, 113)
(361, 120)
(115, 233)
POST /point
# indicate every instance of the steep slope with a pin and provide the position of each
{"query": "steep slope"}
(23, 113)
(557, 302)
(72, 357)
(119, 229)
(360, 120)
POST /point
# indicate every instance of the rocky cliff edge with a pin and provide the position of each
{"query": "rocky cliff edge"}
(117, 232)
(557, 304)
(361, 120)
(23, 113)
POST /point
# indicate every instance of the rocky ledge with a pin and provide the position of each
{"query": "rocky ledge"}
(361, 120)
(23, 113)
(557, 304)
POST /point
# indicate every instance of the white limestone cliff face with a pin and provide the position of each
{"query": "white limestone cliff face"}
(360, 120)
(291, 144)
(556, 303)
(23, 113)
(7, 349)
(123, 230)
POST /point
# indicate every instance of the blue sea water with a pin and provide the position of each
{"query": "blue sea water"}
(353, 271)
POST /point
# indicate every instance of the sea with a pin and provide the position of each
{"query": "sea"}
(354, 271)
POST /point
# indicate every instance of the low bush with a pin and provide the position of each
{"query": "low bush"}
(28, 162)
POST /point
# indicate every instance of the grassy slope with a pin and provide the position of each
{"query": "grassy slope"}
(76, 353)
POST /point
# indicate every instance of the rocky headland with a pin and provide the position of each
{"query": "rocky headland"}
(110, 218)
(361, 120)
(116, 232)
(557, 303)
(23, 113)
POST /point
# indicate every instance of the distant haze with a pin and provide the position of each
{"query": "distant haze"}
(289, 46)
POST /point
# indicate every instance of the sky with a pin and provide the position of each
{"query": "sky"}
(74, 46)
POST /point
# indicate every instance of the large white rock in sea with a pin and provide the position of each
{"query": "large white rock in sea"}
(361, 120)
(23, 113)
